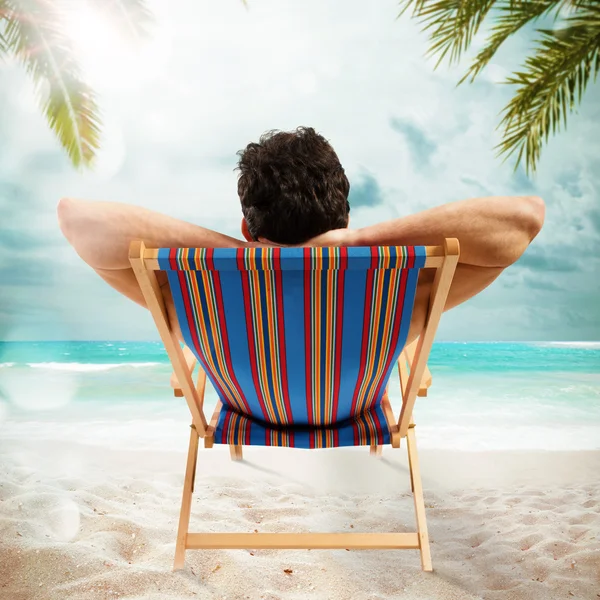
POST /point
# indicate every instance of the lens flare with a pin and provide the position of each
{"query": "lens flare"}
(108, 58)
(42, 390)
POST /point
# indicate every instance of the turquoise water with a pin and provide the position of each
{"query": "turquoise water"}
(581, 357)
(484, 395)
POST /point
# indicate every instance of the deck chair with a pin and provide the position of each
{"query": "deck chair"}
(299, 344)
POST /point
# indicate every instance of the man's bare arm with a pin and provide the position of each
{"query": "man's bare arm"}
(493, 233)
(101, 233)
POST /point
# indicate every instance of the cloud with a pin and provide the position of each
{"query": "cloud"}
(25, 240)
(46, 162)
(594, 217)
(23, 273)
(543, 284)
(474, 184)
(570, 181)
(421, 147)
(538, 259)
(521, 183)
(30, 247)
(366, 192)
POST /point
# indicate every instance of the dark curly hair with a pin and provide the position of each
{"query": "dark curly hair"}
(292, 186)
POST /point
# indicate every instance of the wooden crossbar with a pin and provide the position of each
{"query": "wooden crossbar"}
(435, 257)
(303, 541)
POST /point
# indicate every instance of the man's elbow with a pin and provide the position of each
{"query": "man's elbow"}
(67, 213)
(525, 220)
(533, 214)
(63, 212)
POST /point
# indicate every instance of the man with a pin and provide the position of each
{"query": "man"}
(293, 191)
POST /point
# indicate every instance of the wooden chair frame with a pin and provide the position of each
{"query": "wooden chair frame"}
(414, 381)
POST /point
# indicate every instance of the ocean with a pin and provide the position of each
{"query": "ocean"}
(485, 396)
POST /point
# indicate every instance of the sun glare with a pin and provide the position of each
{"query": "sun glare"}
(107, 57)
(115, 66)
(102, 52)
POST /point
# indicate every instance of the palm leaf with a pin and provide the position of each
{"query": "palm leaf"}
(555, 76)
(3, 42)
(132, 18)
(417, 5)
(553, 82)
(33, 34)
(452, 23)
(511, 18)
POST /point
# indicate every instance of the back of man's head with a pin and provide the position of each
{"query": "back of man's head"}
(292, 187)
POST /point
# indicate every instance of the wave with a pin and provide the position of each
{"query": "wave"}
(6, 365)
(588, 345)
(86, 367)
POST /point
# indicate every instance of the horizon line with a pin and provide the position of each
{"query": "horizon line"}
(146, 341)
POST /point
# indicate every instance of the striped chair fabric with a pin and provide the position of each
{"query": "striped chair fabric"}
(299, 343)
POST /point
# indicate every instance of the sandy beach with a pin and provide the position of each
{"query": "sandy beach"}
(86, 522)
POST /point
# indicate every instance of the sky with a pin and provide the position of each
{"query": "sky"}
(214, 77)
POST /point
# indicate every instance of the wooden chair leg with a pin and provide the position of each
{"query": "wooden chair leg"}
(376, 450)
(236, 451)
(186, 501)
(415, 475)
(410, 472)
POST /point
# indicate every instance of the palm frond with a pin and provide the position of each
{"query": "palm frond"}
(33, 35)
(512, 16)
(451, 23)
(553, 82)
(132, 18)
(3, 42)
(416, 5)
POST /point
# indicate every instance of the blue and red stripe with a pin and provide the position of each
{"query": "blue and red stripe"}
(342, 314)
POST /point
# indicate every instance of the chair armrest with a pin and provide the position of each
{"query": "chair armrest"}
(190, 360)
(406, 358)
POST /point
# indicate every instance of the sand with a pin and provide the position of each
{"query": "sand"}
(84, 522)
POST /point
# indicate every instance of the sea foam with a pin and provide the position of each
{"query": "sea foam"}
(87, 367)
(588, 345)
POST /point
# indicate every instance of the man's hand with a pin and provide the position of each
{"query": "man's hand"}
(493, 232)
(333, 238)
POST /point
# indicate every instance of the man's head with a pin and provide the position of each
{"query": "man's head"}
(292, 187)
